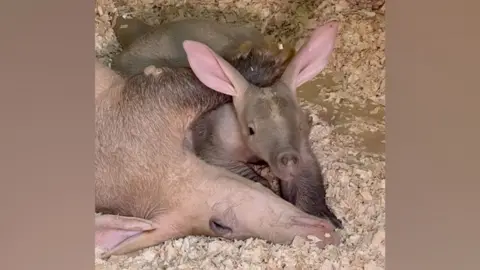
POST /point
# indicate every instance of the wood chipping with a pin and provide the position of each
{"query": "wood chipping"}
(348, 134)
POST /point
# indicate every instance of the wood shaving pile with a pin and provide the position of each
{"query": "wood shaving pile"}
(348, 135)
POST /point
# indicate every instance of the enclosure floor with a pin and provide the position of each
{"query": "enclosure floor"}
(347, 102)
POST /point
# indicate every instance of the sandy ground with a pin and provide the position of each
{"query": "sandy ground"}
(347, 103)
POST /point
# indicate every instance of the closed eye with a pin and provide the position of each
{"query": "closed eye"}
(219, 228)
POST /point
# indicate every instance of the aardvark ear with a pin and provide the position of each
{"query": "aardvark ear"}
(117, 235)
(214, 71)
(312, 57)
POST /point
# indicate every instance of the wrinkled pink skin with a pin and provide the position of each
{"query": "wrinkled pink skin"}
(263, 101)
(151, 188)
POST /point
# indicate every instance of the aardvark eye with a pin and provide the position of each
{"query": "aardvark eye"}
(218, 228)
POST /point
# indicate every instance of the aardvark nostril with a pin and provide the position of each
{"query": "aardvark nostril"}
(327, 225)
(288, 159)
(318, 227)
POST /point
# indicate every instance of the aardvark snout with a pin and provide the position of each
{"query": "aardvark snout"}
(323, 229)
(288, 162)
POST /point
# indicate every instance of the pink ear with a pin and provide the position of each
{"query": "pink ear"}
(312, 57)
(111, 230)
(212, 70)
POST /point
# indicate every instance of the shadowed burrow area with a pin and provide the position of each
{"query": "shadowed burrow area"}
(346, 103)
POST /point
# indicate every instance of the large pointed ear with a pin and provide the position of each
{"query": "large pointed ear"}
(111, 230)
(213, 71)
(117, 235)
(312, 57)
(105, 78)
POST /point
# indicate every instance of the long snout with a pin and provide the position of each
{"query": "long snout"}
(279, 221)
(302, 224)
(249, 209)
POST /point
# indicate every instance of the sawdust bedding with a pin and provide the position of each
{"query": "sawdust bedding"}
(354, 171)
